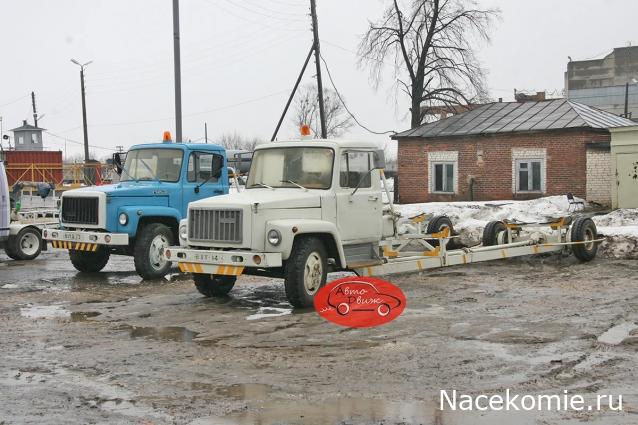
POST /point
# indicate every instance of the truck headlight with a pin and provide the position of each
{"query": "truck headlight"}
(183, 232)
(123, 219)
(274, 237)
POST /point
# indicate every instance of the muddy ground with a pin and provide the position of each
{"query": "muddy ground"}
(109, 348)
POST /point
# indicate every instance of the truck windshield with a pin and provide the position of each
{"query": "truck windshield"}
(153, 164)
(291, 167)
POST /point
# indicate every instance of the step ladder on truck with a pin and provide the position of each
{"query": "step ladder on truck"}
(21, 230)
(311, 207)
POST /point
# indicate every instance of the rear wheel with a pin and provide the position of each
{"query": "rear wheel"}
(306, 271)
(26, 245)
(151, 242)
(491, 232)
(584, 230)
(214, 285)
(437, 224)
(90, 261)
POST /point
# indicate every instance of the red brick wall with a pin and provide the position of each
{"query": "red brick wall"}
(565, 168)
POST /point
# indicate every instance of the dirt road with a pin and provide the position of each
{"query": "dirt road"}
(111, 349)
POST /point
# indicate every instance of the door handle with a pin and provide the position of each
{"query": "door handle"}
(373, 198)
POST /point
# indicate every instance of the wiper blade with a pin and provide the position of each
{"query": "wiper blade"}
(295, 183)
(262, 185)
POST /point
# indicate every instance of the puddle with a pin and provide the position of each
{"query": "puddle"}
(169, 333)
(266, 312)
(355, 411)
(45, 312)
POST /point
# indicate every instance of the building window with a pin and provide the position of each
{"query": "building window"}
(443, 171)
(34, 138)
(21, 140)
(529, 175)
(443, 177)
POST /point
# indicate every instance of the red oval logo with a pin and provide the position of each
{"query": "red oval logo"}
(360, 302)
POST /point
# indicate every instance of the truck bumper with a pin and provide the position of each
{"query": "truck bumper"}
(228, 263)
(83, 241)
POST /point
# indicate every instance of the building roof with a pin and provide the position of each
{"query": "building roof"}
(25, 127)
(513, 117)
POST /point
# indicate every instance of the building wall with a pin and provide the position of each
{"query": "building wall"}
(489, 160)
(599, 176)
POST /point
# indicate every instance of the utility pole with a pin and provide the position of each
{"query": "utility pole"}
(206, 132)
(627, 100)
(35, 112)
(178, 77)
(84, 125)
(315, 33)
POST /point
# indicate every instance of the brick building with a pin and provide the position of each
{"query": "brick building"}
(509, 150)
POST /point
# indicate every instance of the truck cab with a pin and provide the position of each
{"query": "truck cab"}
(140, 215)
(309, 206)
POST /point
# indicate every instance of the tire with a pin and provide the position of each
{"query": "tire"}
(26, 245)
(147, 253)
(584, 229)
(212, 286)
(491, 231)
(437, 224)
(306, 271)
(90, 261)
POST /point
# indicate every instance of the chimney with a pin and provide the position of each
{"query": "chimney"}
(24, 122)
(500, 100)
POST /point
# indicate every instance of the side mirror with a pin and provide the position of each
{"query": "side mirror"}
(378, 159)
(217, 166)
(117, 163)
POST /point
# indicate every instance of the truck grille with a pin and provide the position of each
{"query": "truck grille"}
(215, 225)
(80, 210)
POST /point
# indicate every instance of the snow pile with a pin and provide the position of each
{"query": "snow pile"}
(470, 218)
(620, 229)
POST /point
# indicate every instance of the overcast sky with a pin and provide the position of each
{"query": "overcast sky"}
(241, 57)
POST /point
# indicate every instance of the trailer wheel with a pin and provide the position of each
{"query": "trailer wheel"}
(149, 246)
(491, 232)
(212, 286)
(437, 224)
(90, 261)
(26, 245)
(583, 230)
(306, 271)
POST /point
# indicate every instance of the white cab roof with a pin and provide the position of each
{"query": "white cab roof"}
(335, 144)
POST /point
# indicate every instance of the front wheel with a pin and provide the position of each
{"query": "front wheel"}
(151, 242)
(214, 285)
(90, 261)
(26, 245)
(306, 271)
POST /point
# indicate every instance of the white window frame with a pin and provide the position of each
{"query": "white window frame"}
(529, 156)
(443, 158)
(530, 177)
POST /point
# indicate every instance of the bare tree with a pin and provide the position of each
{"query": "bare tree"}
(338, 121)
(236, 141)
(431, 46)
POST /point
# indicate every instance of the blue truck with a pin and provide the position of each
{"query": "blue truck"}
(140, 215)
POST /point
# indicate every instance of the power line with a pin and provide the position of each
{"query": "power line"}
(15, 100)
(77, 142)
(346, 107)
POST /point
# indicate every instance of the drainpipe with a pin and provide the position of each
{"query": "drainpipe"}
(472, 182)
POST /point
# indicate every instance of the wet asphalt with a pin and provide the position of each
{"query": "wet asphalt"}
(109, 348)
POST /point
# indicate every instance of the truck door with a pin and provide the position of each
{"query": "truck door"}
(358, 213)
(4, 204)
(204, 177)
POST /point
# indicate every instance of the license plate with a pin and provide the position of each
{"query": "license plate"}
(72, 237)
(206, 257)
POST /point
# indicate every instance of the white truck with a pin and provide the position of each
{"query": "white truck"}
(315, 206)
(21, 237)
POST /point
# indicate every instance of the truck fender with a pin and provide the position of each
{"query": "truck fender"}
(303, 227)
(15, 228)
(136, 214)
